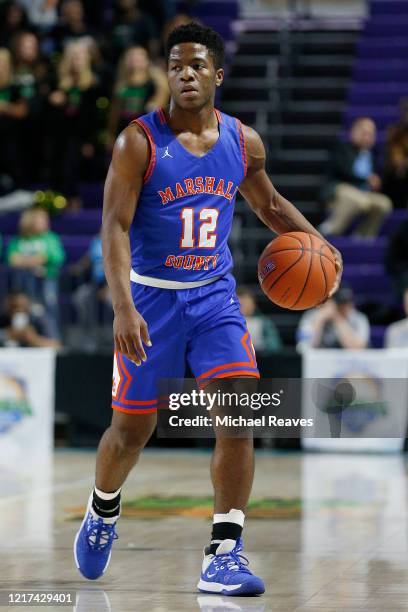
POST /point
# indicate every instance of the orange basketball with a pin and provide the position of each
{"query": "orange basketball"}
(296, 270)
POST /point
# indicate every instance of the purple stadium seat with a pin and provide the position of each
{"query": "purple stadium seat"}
(87, 222)
(377, 333)
(82, 222)
(392, 222)
(223, 8)
(359, 251)
(373, 71)
(389, 8)
(384, 48)
(383, 116)
(75, 247)
(377, 93)
(222, 25)
(92, 195)
(369, 282)
(391, 26)
(217, 14)
(9, 223)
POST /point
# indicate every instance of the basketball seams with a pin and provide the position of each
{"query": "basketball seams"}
(307, 275)
(295, 238)
(318, 252)
(282, 273)
(311, 280)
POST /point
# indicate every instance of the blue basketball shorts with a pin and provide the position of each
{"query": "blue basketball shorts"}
(202, 326)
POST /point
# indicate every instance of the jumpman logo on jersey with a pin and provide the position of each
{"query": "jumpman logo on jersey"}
(166, 153)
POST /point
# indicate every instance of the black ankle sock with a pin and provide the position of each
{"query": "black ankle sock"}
(223, 531)
(106, 508)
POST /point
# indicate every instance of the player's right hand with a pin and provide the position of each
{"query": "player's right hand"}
(130, 332)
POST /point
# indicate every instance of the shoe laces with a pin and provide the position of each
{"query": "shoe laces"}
(232, 561)
(99, 534)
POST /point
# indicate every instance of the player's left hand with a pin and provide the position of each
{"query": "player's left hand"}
(339, 269)
(338, 260)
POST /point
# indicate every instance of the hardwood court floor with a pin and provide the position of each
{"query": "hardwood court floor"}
(346, 550)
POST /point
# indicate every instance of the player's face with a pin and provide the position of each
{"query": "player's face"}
(192, 76)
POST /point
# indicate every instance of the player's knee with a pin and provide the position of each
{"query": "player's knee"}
(132, 440)
(132, 432)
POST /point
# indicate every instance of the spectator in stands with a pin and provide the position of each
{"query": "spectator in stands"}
(12, 107)
(161, 11)
(354, 187)
(395, 175)
(396, 257)
(73, 121)
(264, 334)
(13, 20)
(140, 88)
(335, 324)
(173, 23)
(72, 27)
(396, 335)
(42, 14)
(92, 299)
(18, 326)
(31, 76)
(36, 257)
(131, 28)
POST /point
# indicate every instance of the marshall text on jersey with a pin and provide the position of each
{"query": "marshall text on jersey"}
(185, 209)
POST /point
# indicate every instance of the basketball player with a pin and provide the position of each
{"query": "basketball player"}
(169, 202)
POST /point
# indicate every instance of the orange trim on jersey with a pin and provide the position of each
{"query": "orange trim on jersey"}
(130, 411)
(249, 349)
(242, 145)
(122, 396)
(244, 373)
(218, 115)
(117, 394)
(152, 161)
(211, 233)
(162, 116)
(127, 376)
(238, 364)
(183, 230)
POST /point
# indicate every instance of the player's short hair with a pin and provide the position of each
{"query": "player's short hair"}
(197, 33)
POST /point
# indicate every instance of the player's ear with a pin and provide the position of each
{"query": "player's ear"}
(219, 76)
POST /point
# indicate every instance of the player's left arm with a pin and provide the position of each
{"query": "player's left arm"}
(274, 210)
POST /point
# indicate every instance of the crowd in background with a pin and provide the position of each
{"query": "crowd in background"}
(364, 183)
(73, 74)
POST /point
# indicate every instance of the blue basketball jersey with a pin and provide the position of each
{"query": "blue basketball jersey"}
(185, 209)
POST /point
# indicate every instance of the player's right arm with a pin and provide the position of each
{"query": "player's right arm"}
(123, 184)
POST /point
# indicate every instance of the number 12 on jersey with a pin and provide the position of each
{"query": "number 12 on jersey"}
(207, 237)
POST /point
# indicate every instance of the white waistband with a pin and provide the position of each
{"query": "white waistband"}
(169, 284)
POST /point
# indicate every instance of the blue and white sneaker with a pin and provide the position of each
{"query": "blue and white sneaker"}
(93, 543)
(227, 572)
